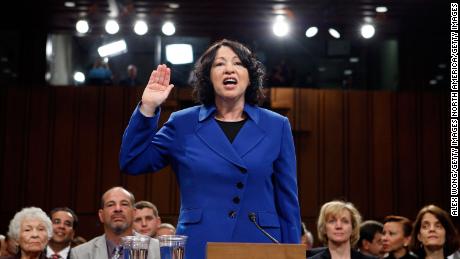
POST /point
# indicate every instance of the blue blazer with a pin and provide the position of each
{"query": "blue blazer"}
(221, 182)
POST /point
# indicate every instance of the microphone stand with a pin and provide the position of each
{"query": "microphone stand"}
(253, 218)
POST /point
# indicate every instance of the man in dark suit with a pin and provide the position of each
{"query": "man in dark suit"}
(116, 214)
(64, 222)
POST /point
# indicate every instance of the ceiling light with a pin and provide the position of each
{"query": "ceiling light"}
(141, 28)
(179, 53)
(82, 26)
(111, 27)
(280, 27)
(168, 28)
(334, 33)
(381, 9)
(69, 4)
(367, 31)
(79, 77)
(348, 72)
(112, 49)
(354, 59)
(311, 32)
(174, 5)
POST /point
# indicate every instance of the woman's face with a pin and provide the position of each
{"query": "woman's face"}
(228, 75)
(393, 237)
(339, 227)
(33, 236)
(432, 233)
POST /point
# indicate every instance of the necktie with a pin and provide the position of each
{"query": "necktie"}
(117, 253)
(55, 256)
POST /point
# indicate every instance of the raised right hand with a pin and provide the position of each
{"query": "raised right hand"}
(157, 90)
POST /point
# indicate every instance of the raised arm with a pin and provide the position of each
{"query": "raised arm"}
(156, 91)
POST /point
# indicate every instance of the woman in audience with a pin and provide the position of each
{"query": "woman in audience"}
(338, 229)
(434, 235)
(396, 237)
(31, 229)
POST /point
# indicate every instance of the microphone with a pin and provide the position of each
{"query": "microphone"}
(253, 218)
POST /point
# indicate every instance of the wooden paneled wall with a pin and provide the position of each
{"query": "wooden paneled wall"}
(384, 151)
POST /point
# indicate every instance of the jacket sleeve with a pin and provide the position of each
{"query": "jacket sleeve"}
(144, 148)
(286, 196)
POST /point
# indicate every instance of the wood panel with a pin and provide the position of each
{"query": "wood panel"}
(382, 138)
(357, 151)
(37, 158)
(332, 141)
(432, 151)
(383, 151)
(86, 150)
(407, 153)
(63, 132)
(15, 137)
(307, 150)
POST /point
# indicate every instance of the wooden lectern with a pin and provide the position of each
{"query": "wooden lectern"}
(255, 251)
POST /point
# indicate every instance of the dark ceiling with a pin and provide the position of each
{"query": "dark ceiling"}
(250, 17)
(420, 26)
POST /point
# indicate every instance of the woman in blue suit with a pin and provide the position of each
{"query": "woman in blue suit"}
(232, 158)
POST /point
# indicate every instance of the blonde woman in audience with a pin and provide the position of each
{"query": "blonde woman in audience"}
(434, 235)
(338, 229)
(31, 229)
(396, 237)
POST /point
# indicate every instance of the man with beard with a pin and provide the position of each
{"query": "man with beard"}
(64, 222)
(116, 214)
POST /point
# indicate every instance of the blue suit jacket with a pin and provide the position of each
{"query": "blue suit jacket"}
(221, 182)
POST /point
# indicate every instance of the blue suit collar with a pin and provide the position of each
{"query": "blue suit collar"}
(208, 110)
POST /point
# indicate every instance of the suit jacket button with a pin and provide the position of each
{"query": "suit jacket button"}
(232, 214)
(243, 170)
(236, 200)
(239, 185)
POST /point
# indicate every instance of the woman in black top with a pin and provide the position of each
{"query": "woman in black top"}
(396, 237)
(338, 229)
(434, 235)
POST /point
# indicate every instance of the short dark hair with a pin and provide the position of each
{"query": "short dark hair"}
(203, 89)
(146, 204)
(405, 222)
(451, 240)
(132, 200)
(367, 231)
(66, 209)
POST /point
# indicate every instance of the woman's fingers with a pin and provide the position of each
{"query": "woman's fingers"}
(160, 76)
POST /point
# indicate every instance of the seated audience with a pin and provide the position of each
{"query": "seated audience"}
(116, 214)
(64, 222)
(306, 237)
(31, 229)
(131, 79)
(338, 229)
(434, 235)
(396, 237)
(370, 238)
(146, 219)
(99, 74)
(165, 229)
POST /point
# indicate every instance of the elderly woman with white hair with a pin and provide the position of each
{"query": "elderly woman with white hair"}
(31, 228)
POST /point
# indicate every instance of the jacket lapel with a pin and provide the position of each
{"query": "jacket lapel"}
(100, 248)
(248, 137)
(213, 136)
